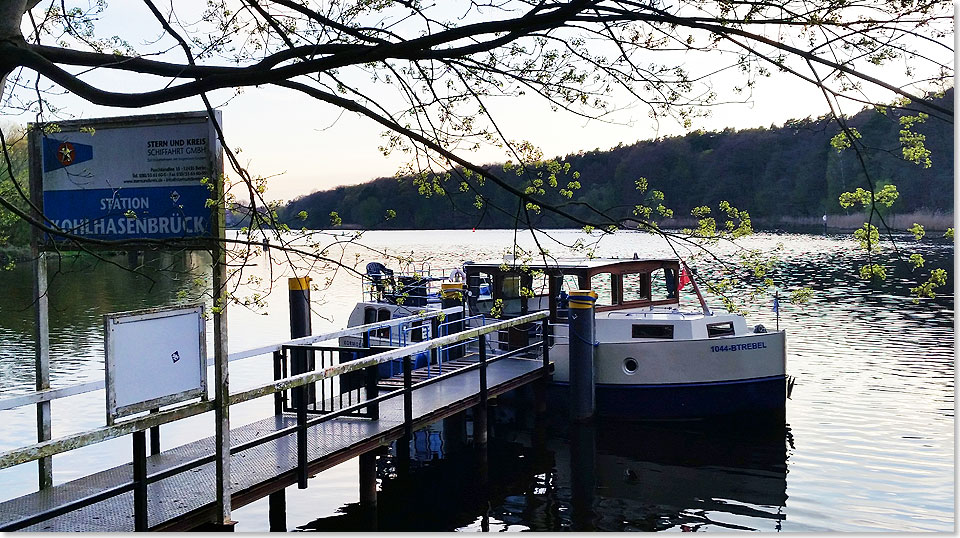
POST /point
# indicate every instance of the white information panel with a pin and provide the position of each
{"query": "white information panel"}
(154, 357)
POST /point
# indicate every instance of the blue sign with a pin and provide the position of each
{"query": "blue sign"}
(128, 213)
(132, 180)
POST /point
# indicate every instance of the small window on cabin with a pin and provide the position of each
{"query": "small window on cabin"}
(634, 288)
(653, 331)
(720, 329)
(603, 285)
(369, 315)
(383, 315)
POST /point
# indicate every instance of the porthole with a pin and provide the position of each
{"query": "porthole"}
(630, 366)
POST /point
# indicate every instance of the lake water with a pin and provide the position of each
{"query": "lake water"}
(868, 443)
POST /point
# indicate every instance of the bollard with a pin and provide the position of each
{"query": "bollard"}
(582, 337)
(300, 326)
(452, 294)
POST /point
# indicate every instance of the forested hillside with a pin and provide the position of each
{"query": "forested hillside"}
(787, 171)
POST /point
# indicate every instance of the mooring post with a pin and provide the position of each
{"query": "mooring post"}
(368, 478)
(278, 511)
(300, 326)
(583, 476)
(452, 294)
(582, 336)
(140, 523)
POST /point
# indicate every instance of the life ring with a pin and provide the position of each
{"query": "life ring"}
(457, 275)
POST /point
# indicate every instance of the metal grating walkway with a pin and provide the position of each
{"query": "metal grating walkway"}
(184, 500)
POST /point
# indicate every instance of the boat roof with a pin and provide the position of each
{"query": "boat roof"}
(568, 263)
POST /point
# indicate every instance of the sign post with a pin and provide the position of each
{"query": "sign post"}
(153, 179)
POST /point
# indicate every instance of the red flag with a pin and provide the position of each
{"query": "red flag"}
(684, 278)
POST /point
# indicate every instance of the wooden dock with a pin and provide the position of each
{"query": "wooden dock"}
(185, 500)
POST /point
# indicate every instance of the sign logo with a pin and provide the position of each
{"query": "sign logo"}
(66, 154)
(175, 356)
(62, 153)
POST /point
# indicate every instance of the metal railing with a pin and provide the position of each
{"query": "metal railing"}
(36, 397)
(299, 383)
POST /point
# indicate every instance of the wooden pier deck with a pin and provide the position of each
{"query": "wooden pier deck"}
(185, 500)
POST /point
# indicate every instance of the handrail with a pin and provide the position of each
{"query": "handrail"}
(72, 390)
(70, 442)
(64, 444)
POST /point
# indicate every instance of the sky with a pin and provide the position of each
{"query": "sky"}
(305, 146)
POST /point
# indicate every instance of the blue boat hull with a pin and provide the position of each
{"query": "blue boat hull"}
(689, 400)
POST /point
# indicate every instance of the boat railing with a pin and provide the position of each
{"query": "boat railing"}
(415, 286)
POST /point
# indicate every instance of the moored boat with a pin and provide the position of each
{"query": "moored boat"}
(652, 360)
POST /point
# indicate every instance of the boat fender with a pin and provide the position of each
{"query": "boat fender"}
(759, 329)
(457, 276)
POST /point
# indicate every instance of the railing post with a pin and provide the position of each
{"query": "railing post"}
(408, 396)
(540, 386)
(140, 523)
(480, 412)
(435, 354)
(278, 374)
(372, 377)
(545, 331)
(154, 436)
(300, 396)
(403, 445)
(582, 336)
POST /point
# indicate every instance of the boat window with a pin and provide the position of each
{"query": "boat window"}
(720, 329)
(383, 315)
(634, 287)
(369, 315)
(511, 287)
(603, 285)
(510, 293)
(480, 293)
(663, 284)
(653, 331)
(570, 282)
(540, 283)
(416, 331)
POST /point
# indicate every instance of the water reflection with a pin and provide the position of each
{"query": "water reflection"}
(601, 477)
(83, 288)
